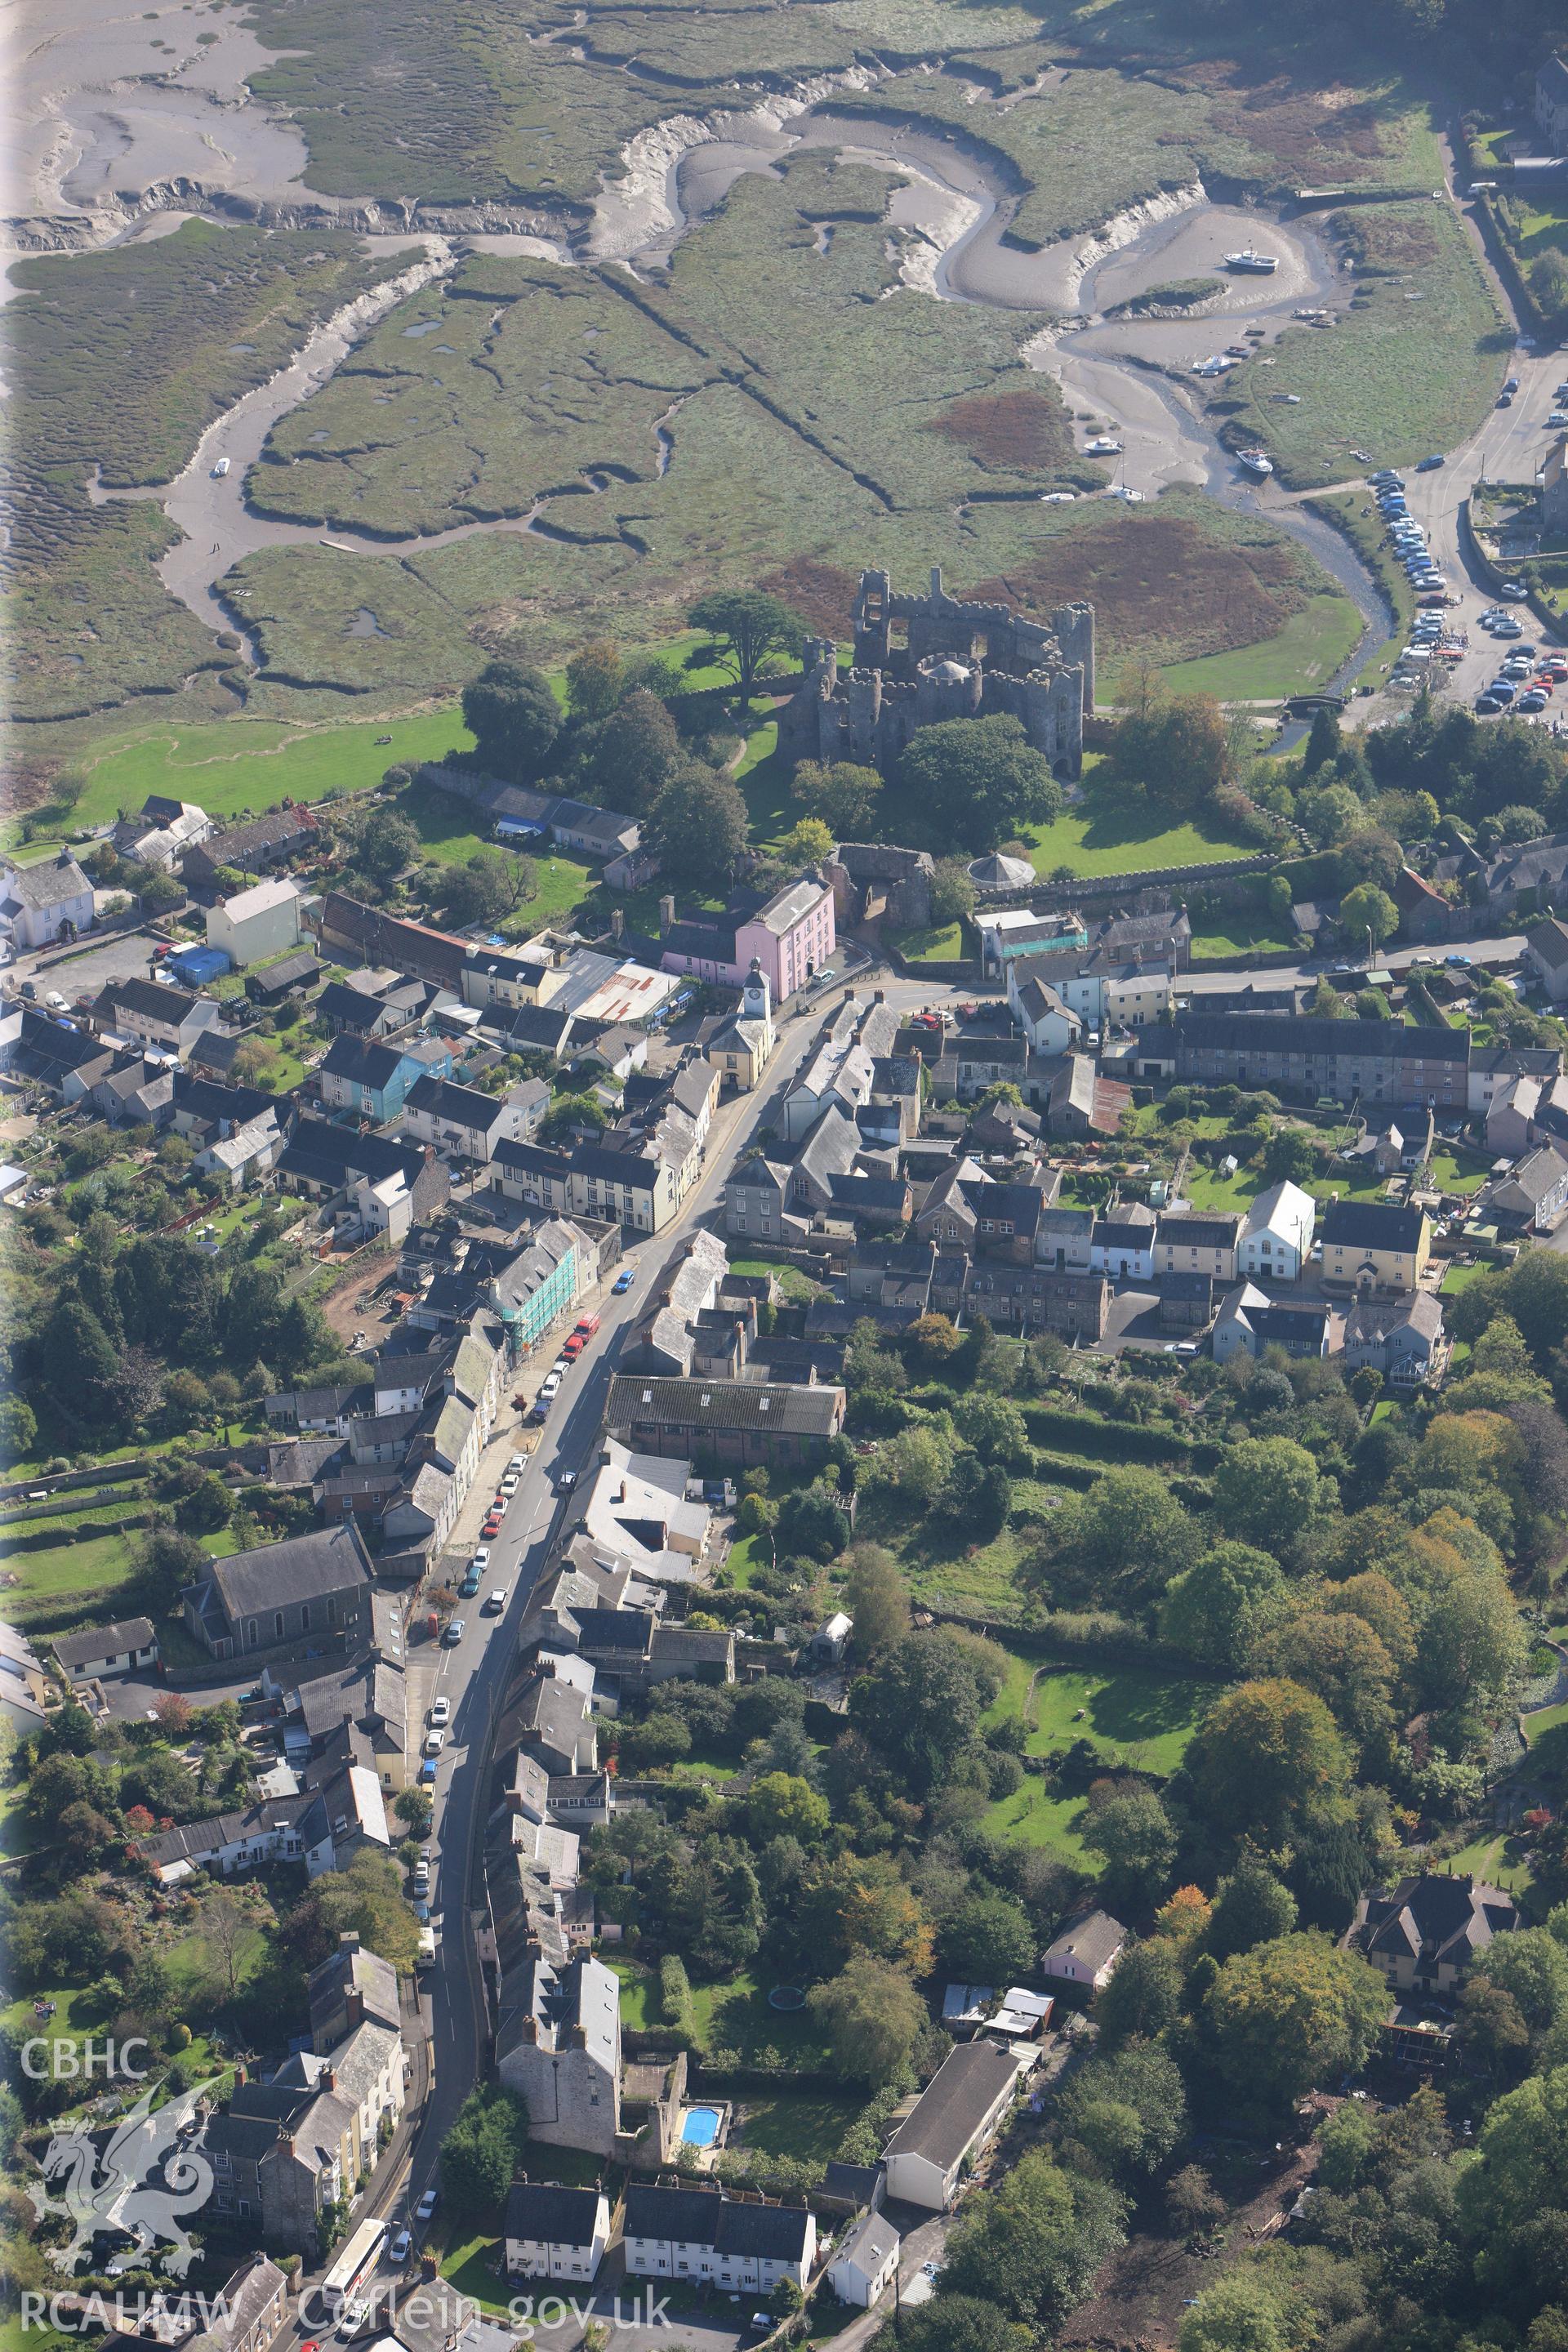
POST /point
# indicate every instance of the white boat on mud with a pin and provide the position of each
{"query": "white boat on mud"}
(220, 469)
(1253, 461)
(1251, 263)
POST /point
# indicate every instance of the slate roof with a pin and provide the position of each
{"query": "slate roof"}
(153, 1000)
(302, 1568)
(699, 1404)
(49, 884)
(1372, 1225)
(1371, 1322)
(1437, 1917)
(1095, 1940)
(1198, 1231)
(955, 2103)
(546, 2214)
(1318, 1038)
(102, 1642)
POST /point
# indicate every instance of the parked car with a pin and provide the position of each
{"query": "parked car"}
(481, 1557)
(510, 1484)
(623, 1283)
(426, 2205)
(574, 1348)
(495, 1603)
(586, 1325)
(518, 1461)
(1429, 465)
(436, 1741)
(565, 1482)
(453, 1632)
(441, 1709)
(398, 2252)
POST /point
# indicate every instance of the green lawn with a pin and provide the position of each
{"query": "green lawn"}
(943, 945)
(1497, 1858)
(1032, 1816)
(1242, 935)
(1459, 1277)
(229, 765)
(807, 2125)
(735, 2016)
(1306, 652)
(1134, 1715)
(1205, 1188)
(639, 1991)
(1105, 834)
(746, 1557)
(477, 2266)
(795, 1285)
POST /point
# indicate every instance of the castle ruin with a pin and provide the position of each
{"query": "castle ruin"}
(921, 659)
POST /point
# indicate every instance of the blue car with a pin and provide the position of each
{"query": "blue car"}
(622, 1284)
(1429, 465)
(427, 1772)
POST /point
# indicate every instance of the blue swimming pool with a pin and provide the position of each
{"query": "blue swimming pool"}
(699, 2127)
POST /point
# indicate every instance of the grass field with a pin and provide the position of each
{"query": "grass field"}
(1306, 652)
(1134, 1715)
(1103, 836)
(233, 766)
(944, 945)
(1413, 366)
(1243, 934)
(639, 1991)
(806, 2124)
(735, 2016)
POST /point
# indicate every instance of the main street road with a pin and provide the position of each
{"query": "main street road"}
(472, 1674)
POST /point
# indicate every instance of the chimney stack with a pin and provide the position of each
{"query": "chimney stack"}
(354, 2007)
(348, 1939)
(618, 923)
(666, 915)
(329, 2078)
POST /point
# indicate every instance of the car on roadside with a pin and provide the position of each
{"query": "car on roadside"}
(1533, 701)
(1510, 383)
(1515, 592)
(1505, 400)
(492, 1524)
(550, 1387)
(574, 1348)
(470, 1584)
(565, 1482)
(427, 1772)
(436, 1741)
(426, 2205)
(622, 1284)
(509, 1484)
(453, 1632)
(495, 1602)
(441, 1709)
(1430, 465)
(398, 2252)
(518, 1461)
(421, 1878)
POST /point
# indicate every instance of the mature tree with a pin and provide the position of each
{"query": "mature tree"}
(1513, 2197)
(636, 754)
(921, 1705)
(976, 782)
(514, 718)
(387, 845)
(987, 1940)
(483, 2149)
(227, 1932)
(415, 1809)
(1034, 2242)
(1265, 1490)
(1244, 2311)
(1215, 1608)
(659, 1740)
(1323, 741)
(596, 680)
(957, 2323)
(1144, 1994)
(1250, 1907)
(849, 1903)
(1178, 751)
(746, 626)
(1264, 1756)
(952, 892)
(486, 885)
(916, 1465)
(873, 2018)
(843, 796)
(1291, 2013)
(1338, 1656)
(1138, 1840)
(878, 1600)
(812, 1522)
(781, 1804)
(1289, 1157)
(699, 824)
(806, 843)
(1127, 1536)
(1127, 2108)
(368, 1897)
(996, 1429)
(1532, 1966)
(1367, 909)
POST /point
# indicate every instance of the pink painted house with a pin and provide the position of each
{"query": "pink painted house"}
(790, 935)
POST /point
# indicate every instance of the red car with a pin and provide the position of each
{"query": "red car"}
(587, 1326)
(493, 1526)
(575, 1346)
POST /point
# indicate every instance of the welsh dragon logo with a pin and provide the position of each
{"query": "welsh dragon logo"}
(142, 2182)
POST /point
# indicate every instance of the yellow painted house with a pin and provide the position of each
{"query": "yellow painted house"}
(1372, 1245)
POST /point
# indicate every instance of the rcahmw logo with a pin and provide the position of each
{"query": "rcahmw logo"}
(141, 2181)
